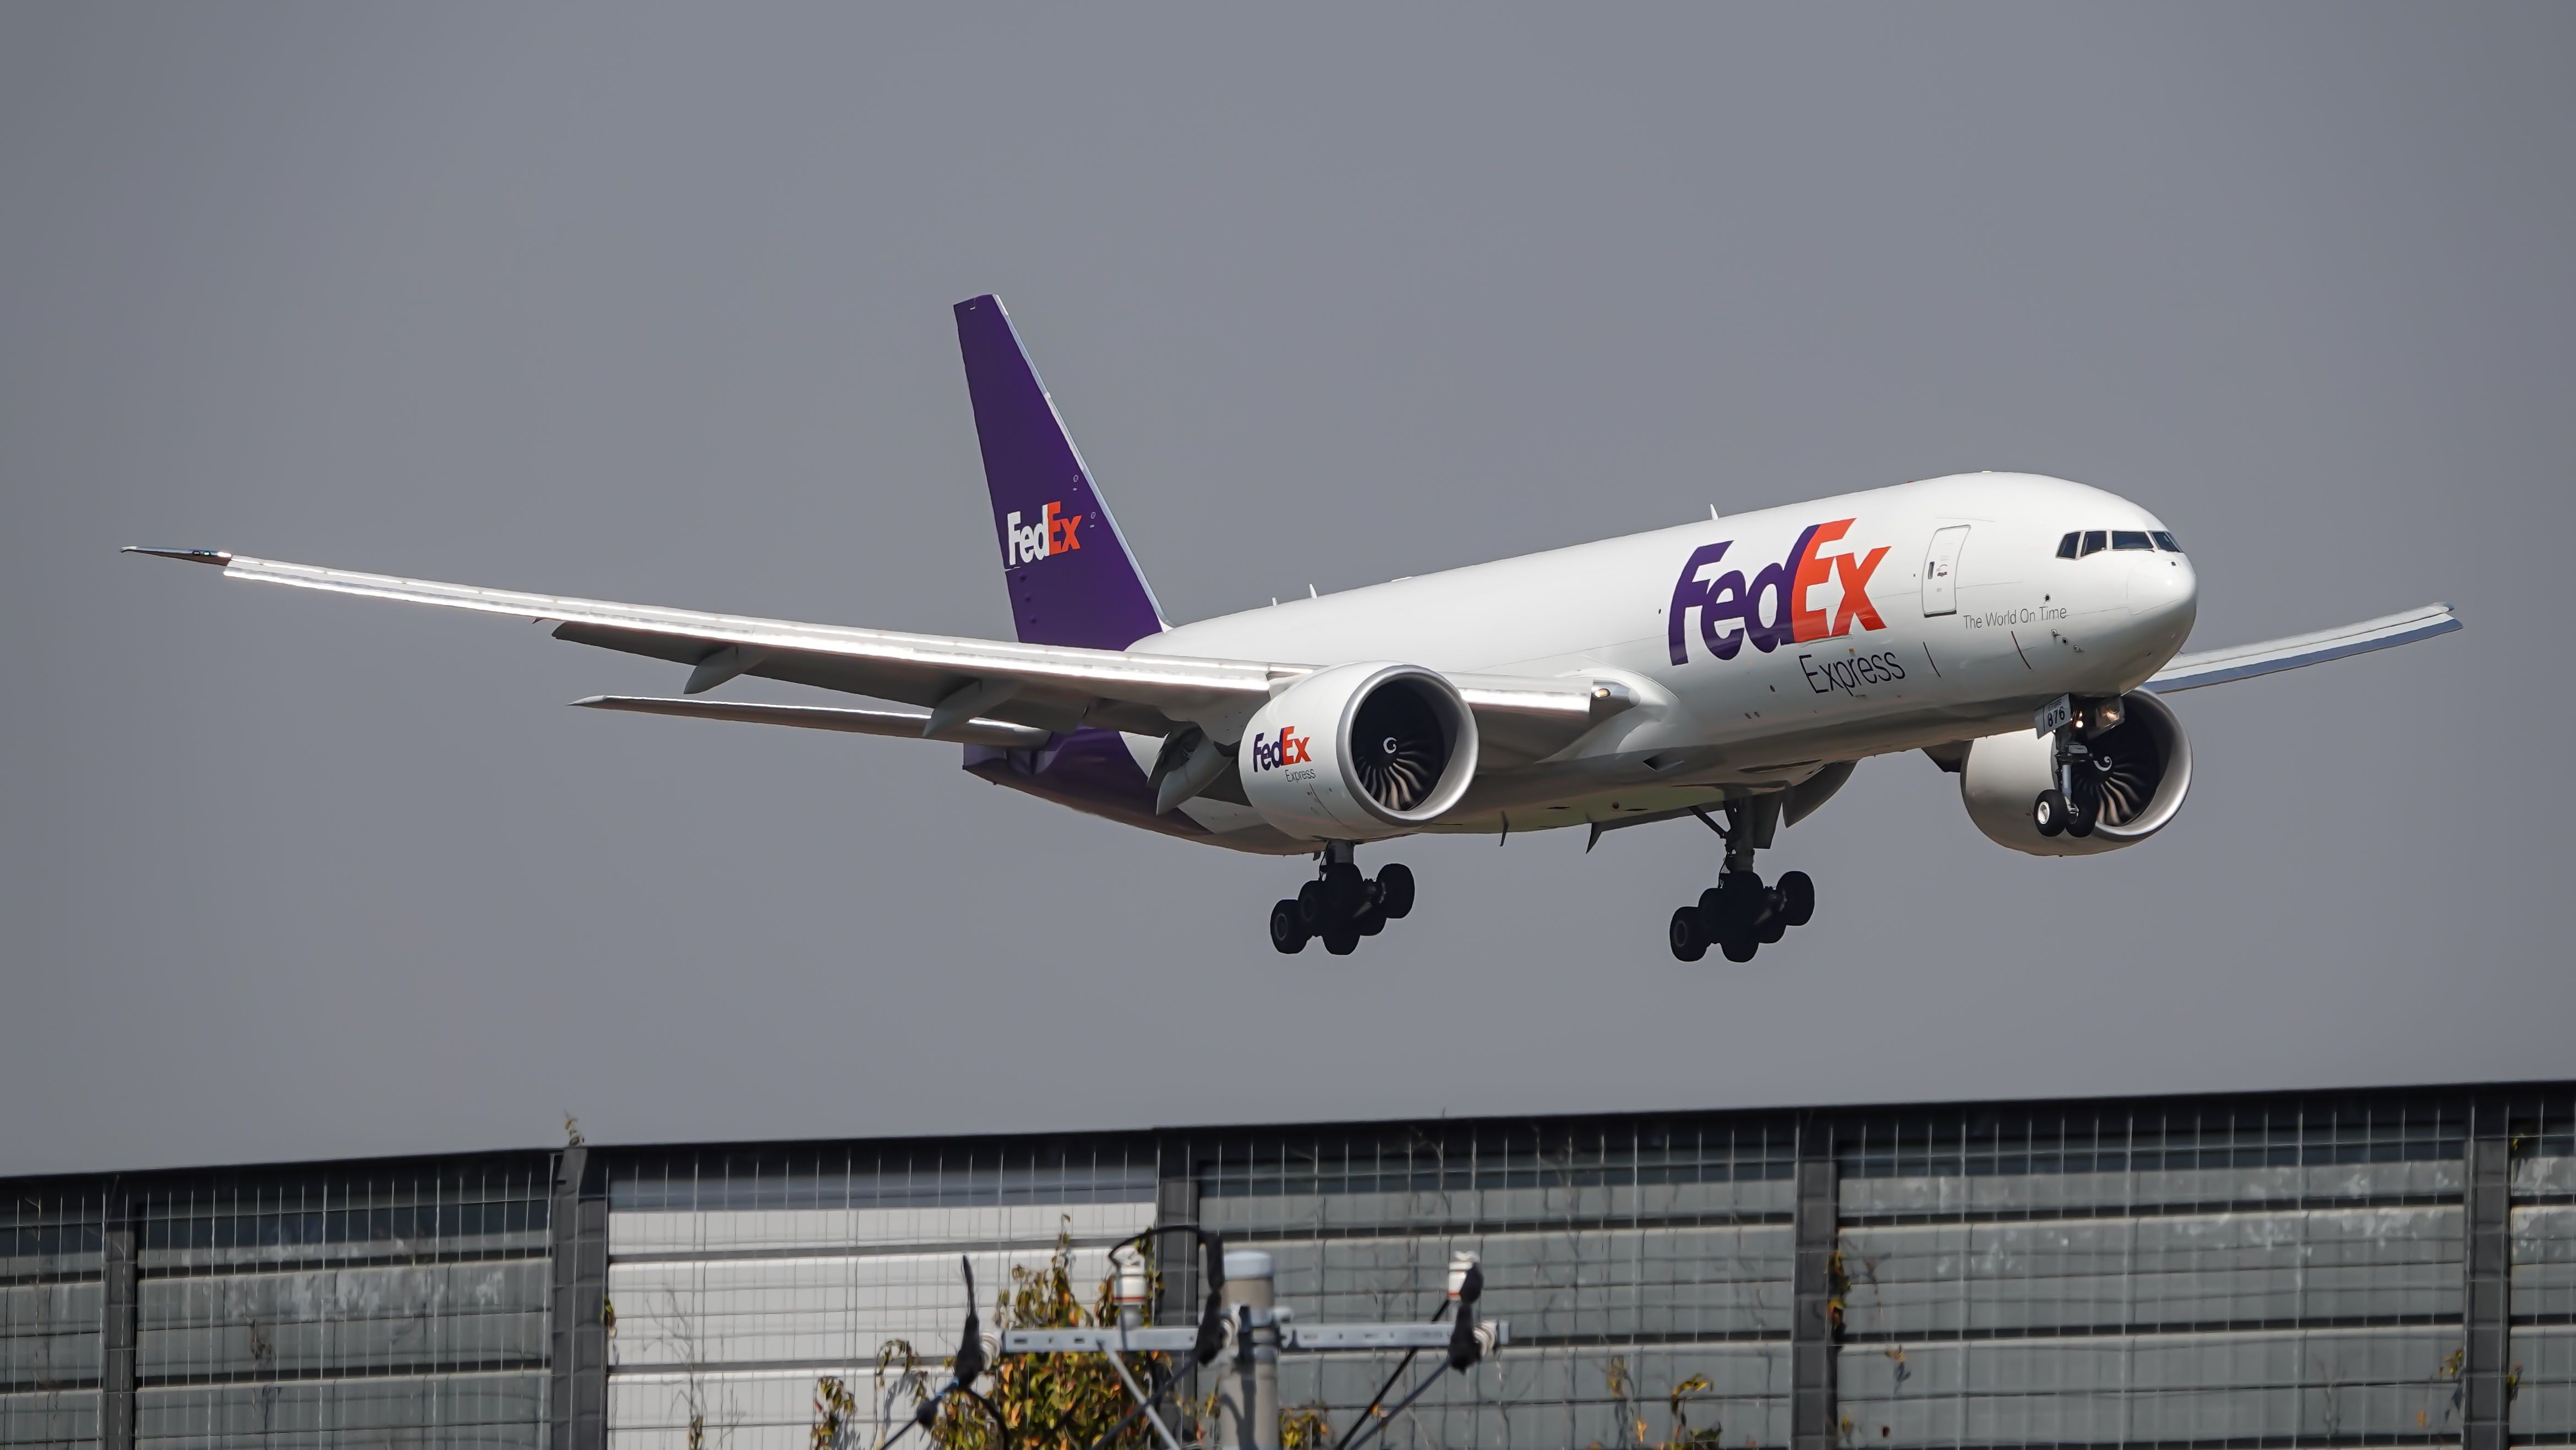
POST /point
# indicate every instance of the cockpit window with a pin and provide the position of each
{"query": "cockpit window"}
(2129, 539)
(2066, 546)
(2165, 541)
(2095, 541)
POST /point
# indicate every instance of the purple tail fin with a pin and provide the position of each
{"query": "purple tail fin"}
(1071, 578)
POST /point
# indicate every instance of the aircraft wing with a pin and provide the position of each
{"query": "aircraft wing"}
(2218, 666)
(969, 685)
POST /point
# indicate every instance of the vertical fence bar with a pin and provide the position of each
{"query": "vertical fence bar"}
(1176, 1200)
(120, 1325)
(1812, 1401)
(2487, 1306)
(577, 1233)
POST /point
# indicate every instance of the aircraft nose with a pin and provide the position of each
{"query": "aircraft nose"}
(2163, 591)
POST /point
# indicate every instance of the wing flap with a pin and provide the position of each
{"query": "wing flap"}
(901, 723)
(2241, 662)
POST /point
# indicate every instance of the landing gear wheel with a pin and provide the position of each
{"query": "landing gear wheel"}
(1288, 928)
(1370, 923)
(1345, 891)
(1797, 899)
(1310, 906)
(1688, 937)
(1342, 941)
(1394, 890)
(1732, 914)
(2048, 813)
(2080, 814)
(1775, 925)
(1745, 901)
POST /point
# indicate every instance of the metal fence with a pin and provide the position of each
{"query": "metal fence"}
(2361, 1269)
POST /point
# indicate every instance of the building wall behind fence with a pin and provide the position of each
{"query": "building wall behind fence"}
(2283, 1270)
(740, 1278)
(2175, 1277)
(2544, 1274)
(281, 1309)
(1627, 1258)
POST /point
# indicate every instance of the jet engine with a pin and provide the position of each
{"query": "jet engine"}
(2140, 769)
(1358, 752)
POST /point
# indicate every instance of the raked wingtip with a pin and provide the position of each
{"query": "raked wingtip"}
(217, 557)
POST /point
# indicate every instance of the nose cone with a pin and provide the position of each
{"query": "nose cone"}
(2164, 596)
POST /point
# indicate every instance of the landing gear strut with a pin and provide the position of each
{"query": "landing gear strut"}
(1739, 914)
(2074, 804)
(1340, 905)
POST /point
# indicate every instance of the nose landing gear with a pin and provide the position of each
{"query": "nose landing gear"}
(1739, 915)
(1340, 905)
(2074, 805)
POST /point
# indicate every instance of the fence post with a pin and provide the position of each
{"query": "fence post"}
(577, 1364)
(120, 1325)
(2487, 1303)
(1812, 1402)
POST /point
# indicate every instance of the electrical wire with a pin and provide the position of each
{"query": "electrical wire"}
(1401, 1406)
(1379, 1398)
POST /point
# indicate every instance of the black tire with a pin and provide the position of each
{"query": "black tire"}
(1311, 909)
(2048, 813)
(1739, 948)
(1287, 928)
(2081, 814)
(1745, 901)
(1797, 898)
(1687, 937)
(1394, 890)
(1712, 912)
(1369, 923)
(1775, 920)
(1345, 891)
(1342, 941)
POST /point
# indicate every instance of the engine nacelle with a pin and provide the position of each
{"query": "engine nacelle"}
(2150, 771)
(1358, 752)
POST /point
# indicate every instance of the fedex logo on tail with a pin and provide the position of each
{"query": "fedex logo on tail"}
(1052, 534)
(1286, 748)
(1772, 608)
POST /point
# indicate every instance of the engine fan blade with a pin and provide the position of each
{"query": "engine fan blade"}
(1399, 749)
(2125, 774)
(1400, 771)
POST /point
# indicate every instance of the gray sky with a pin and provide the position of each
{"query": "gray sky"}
(653, 305)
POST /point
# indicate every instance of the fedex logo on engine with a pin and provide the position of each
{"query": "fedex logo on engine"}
(1052, 534)
(1771, 609)
(1286, 748)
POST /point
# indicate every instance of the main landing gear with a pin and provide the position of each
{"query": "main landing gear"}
(1340, 905)
(1739, 913)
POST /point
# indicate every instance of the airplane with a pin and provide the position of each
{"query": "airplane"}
(2021, 631)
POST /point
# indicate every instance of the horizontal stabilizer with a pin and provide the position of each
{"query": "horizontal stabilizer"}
(2218, 666)
(999, 733)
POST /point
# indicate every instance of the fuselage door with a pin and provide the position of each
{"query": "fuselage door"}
(1941, 571)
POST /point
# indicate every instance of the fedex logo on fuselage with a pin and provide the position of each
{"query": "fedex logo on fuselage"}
(1771, 609)
(1269, 752)
(1052, 534)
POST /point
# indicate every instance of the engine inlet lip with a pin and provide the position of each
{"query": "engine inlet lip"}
(2159, 716)
(1455, 718)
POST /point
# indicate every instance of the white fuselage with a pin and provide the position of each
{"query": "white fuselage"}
(1937, 611)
